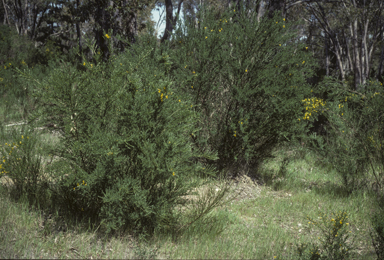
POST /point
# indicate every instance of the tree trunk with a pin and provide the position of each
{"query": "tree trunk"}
(380, 67)
(78, 29)
(357, 68)
(6, 14)
(326, 47)
(25, 18)
(261, 10)
(103, 20)
(170, 22)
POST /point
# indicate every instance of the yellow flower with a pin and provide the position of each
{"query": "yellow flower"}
(246, 70)
(179, 100)
(284, 19)
(84, 64)
(306, 48)
(107, 36)
(173, 173)
(279, 44)
(206, 37)
(205, 28)
(193, 72)
(283, 26)
(303, 61)
(191, 86)
(276, 22)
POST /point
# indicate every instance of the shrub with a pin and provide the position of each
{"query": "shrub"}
(377, 233)
(20, 162)
(18, 52)
(124, 139)
(246, 78)
(354, 133)
(333, 238)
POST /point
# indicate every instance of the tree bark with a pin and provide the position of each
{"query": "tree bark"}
(103, 20)
(326, 47)
(380, 67)
(170, 22)
(356, 56)
(261, 10)
(6, 14)
(78, 28)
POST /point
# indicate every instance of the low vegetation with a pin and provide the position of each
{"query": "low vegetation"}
(195, 148)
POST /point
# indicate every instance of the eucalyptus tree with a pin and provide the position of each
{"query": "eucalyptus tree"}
(354, 36)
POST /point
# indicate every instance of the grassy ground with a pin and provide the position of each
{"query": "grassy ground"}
(265, 222)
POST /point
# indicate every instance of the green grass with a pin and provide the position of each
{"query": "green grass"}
(265, 221)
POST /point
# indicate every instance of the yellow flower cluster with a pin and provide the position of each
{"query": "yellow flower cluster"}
(376, 93)
(80, 184)
(376, 144)
(9, 65)
(86, 64)
(311, 106)
(12, 146)
(162, 94)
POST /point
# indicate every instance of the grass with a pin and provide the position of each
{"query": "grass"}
(266, 221)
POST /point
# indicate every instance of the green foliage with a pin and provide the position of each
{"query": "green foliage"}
(18, 52)
(20, 163)
(354, 133)
(246, 78)
(142, 252)
(377, 233)
(333, 240)
(125, 140)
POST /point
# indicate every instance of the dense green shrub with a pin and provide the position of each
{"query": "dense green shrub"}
(354, 133)
(19, 52)
(20, 162)
(246, 78)
(124, 141)
(377, 233)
